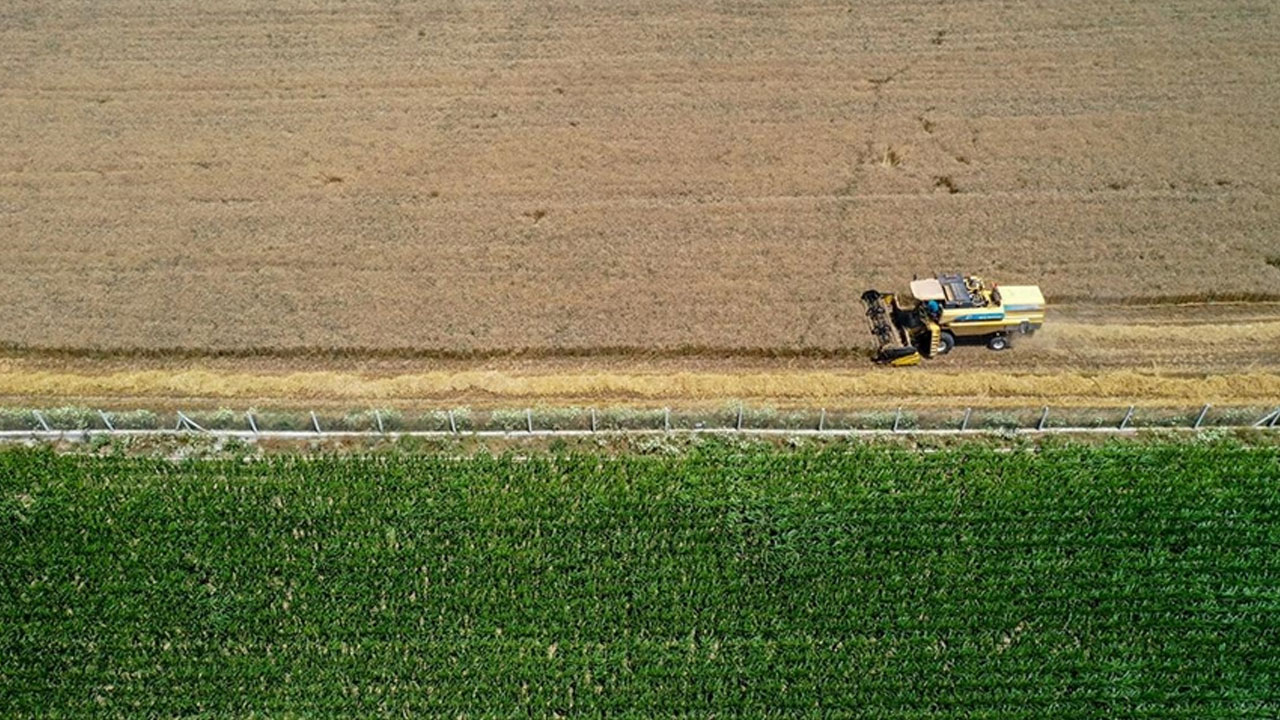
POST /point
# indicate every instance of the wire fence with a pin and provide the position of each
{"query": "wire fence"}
(79, 422)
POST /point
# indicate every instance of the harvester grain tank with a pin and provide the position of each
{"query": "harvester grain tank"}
(947, 309)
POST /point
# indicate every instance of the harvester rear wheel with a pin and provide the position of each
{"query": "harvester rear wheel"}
(998, 342)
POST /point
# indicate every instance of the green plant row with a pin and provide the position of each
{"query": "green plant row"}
(1114, 581)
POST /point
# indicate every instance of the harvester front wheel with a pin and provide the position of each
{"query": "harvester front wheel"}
(998, 342)
(946, 343)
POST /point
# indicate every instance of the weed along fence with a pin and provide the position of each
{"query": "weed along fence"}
(71, 423)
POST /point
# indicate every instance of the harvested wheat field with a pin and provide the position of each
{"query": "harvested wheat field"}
(1155, 356)
(644, 189)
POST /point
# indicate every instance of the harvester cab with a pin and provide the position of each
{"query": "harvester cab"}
(947, 308)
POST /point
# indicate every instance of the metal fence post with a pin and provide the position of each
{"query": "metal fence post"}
(528, 420)
(964, 424)
(1044, 417)
(738, 425)
(40, 419)
(315, 422)
(377, 415)
(666, 419)
(253, 424)
(191, 424)
(822, 420)
(1127, 416)
(106, 421)
(453, 424)
(593, 419)
(897, 418)
(1200, 418)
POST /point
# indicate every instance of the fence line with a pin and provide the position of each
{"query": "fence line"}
(393, 434)
(185, 426)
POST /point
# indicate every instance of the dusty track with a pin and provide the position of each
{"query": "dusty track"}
(1087, 355)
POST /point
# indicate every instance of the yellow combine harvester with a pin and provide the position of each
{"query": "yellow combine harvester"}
(948, 308)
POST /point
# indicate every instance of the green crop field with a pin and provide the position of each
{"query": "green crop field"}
(1123, 580)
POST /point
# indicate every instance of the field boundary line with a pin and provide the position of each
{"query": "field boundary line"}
(81, 434)
(522, 423)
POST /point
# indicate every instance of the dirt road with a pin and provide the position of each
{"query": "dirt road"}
(1086, 355)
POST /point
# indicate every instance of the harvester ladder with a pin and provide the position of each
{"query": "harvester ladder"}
(935, 338)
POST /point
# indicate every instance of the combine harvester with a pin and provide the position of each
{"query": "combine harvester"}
(948, 308)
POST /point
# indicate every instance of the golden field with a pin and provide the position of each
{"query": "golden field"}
(485, 176)
(498, 202)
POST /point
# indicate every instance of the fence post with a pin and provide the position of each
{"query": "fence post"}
(822, 420)
(666, 419)
(377, 415)
(106, 421)
(528, 420)
(1200, 418)
(253, 424)
(453, 424)
(964, 424)
(1044, 417)
(897, 418)
(40, 419)
(315, 422)
(738, 425)
(593, 419)
(1268, 420)
(1127, 416)
(191, 424)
